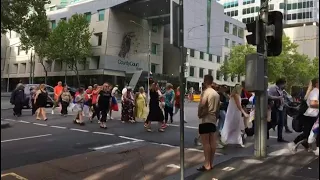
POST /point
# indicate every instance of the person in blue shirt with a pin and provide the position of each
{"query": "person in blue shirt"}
(169, 102)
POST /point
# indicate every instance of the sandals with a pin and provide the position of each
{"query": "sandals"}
(203, 169)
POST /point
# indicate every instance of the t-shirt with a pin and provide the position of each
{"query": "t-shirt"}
(168, 98)
(94, 96)
(313, 96)
(104, 98)
(224, 102)
(212, 105)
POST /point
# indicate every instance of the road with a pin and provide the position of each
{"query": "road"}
(29, 141)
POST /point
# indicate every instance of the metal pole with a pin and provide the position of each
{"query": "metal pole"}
(149, 61)
(182, 87)
(31, 65)
(260, 149)
(8, 73)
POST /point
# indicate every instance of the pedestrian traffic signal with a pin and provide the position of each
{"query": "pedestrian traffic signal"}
(274, 33)
(253, 28)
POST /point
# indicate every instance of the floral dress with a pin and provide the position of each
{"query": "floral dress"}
(127, 107)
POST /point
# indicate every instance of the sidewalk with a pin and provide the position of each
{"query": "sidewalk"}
(135, 161)
(301, 166)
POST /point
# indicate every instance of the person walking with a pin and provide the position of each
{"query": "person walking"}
(155, 112)
(95, 93)
(140, 104)
(104, 103)
(66, 99)
(17, 99)
(177, 97)
(57, 91)
(87, 108)
(41, 101)
(79, 104)
(224, 101)
(127, 114)
(234, 123)
(208, 110)
(309, 117)
(114, 102)
(168, 106)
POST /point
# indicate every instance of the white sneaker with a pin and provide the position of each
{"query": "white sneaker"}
(220, 146)
(292, 147)
(316, 152)
(52, 112)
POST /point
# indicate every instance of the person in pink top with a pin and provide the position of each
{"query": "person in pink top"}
(95, 92)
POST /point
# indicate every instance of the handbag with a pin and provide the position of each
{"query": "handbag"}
(115, 107)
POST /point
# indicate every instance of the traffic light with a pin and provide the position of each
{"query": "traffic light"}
(274, 33)
(253, 38)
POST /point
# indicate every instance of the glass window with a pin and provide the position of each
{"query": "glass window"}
(294, 6)
(310, 14)
(311, 3)
(218, 59)
(244, 20)
(218, 75)
(232, 13)
(240, 33)
(235, 30)
(308, 4)
(226, 26)
(281, 5)
(294, 16)
(210, 57)
(101, 14)
(49, 89)
(271, 7)
(252, 10)
(244, 11)
(191, 71)
(299, 5)
(225, 77)
(288, 16)
(201, 55)
(18, 51)
(88, 16)
(226, 42)
(299, 15)
(236, 13)
(53, 24)
(155, 28)
(201, 72)
(257, 9)
(99, 37)
(153, 68)
(63, 19)
(288, 6)
(191, 52)
(210, 72)
(304, 4)
(233, 43)
(226, 57)
(307, 15)
(154, 48)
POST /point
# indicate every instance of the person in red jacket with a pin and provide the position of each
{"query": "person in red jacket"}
(177, 103)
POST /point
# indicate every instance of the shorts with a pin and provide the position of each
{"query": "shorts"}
(206, 128)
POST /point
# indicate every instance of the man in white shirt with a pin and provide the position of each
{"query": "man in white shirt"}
(309, 117)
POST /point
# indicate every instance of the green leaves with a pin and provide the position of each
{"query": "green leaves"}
(297, 68)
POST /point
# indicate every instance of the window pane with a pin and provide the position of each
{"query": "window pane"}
(218, 59)
(236, 13)
(235, 30)
(154, 48)
(226, 42)
(201, 72)
(218, 75)
(299, 5)
(288, 6)
(240, 33)
(294, 6)
(201, 55)
(226, 27)
(191, 52)
(153, 68)
(281, 6)
(210, 57)
(53, 24)
(88, 16)
(294, 16)
(191, 73)
(101, 14)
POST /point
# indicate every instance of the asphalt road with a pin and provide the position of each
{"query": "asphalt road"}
(29, 141)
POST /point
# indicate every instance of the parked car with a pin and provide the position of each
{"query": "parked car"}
(27, 88)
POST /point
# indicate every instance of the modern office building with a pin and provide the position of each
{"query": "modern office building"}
(301, 19)
(227, 32)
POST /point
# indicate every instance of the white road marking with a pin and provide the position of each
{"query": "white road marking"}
(102, 133)
(9, 120)
(189, 127)
(114, 145)
(24, 122)
(81, 130)
(40, 124)
(31, 137)
(129, 138)
(59, 127)
(173, 166)
(273, 137)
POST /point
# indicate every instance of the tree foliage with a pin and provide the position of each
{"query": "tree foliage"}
(69, 43)
(15, 13)
(35, 33)
(297, 68)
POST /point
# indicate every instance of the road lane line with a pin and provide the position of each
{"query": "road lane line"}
(38, 124)
(102, 133)
(9, 120)
(189, 127)
(59, 127)
(129, 138)
(81, 130)
(30, 137)
(14, 175)
(24, 122)
(273, 137)
(114, 145)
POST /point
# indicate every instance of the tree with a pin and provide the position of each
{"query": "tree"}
(14, 13)
(35, 33)
(290, 64)
(69, 43)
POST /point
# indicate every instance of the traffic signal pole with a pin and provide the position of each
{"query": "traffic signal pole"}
(260, 146)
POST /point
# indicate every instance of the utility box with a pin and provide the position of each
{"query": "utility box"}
(255, 68)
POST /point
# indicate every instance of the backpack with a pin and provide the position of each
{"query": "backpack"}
(297, 124)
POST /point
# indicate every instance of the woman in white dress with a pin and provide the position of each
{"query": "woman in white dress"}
(231, 132)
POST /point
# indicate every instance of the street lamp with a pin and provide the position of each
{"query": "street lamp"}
(5, 59)
(190, 29)
(149, 53)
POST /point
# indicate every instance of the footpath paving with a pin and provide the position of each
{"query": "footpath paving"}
(135, 161)
(301, 166)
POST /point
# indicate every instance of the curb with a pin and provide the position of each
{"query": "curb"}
(4, 125)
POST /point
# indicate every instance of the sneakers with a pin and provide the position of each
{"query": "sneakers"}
(316, 152)
(292, 147)
(164, 125)
(52, 111)
(220, 146)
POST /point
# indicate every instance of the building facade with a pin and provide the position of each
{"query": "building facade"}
(110, 28)
(228, 32)
(301, 19)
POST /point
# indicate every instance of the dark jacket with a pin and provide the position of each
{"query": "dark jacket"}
(17, 96)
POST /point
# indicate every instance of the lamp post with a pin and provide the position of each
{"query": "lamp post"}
(190, 29)
(149, 52)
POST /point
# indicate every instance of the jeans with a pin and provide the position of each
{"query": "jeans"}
(277, 117)
(285, 118)
(168, 111)
(222, 117)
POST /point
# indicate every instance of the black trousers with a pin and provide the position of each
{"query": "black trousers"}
(307, 126)
(104, 112)
(168, 111)
(17, 109)
(34, 107)
(96, 111)
(64, 109)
